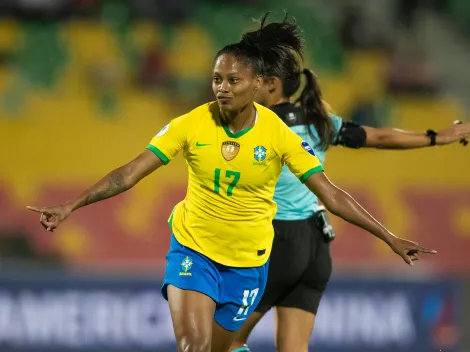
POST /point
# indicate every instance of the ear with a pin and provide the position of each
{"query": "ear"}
(273, 83)
(258, 82)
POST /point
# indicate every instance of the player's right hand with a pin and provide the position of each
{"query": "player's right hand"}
(52, 216)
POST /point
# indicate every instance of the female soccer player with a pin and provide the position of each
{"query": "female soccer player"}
(222, 231)
(295, 286)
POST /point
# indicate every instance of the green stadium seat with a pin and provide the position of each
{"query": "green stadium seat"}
(42, 53)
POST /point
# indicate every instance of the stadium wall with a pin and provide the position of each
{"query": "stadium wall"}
(57, 148)
(44, 311)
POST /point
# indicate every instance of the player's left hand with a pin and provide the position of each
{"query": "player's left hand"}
(453, 133)
(408, 250)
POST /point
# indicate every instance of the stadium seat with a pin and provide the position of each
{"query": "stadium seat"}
(9, 35)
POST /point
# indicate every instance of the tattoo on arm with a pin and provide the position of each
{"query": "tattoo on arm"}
(116, 185)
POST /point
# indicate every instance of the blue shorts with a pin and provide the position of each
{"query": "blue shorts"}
(236, 291)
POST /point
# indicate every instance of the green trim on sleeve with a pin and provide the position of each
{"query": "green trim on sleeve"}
(310, 172)
(170, 220)
(158, 153)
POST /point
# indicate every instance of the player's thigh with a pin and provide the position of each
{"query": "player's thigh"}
(241, 337)
(293, 328)
(240, 292)
(222, 339)
(191, 286)
(190, 270)
(192, 315)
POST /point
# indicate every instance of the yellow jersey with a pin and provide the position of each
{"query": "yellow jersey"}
(228, 209)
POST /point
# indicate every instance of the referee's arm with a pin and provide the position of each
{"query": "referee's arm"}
(391, 138)
(352, 135)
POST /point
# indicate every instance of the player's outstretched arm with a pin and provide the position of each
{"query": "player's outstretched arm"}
(343, 205)
(390, 138)
(117, 181)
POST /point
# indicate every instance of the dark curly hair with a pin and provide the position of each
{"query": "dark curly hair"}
(277, 50)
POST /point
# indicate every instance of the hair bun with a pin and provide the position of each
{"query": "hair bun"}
(249, 40)
(275, 36)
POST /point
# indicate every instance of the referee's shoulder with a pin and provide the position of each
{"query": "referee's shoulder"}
(267, 114)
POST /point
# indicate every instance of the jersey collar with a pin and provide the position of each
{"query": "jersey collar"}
(241, 132)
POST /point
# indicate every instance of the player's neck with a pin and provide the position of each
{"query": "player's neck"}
(280, 100)
(239, 120)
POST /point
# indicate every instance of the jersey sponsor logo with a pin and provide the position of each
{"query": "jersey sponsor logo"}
(230, 150)
(201, 144)
(163, 130)
(186, 265)
(308, 148)
(260, 153)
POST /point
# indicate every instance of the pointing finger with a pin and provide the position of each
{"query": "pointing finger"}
(36, 209)
(425, 250)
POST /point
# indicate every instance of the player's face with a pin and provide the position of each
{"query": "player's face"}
(234, 83)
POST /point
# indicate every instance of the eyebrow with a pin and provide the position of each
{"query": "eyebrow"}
(232, 73)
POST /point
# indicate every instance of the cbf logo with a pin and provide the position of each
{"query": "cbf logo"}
(260, 153)
(308, 148)
(186, 265)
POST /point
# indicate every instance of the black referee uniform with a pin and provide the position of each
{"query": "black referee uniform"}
(300, 264)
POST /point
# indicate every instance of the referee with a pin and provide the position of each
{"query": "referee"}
(300, 264)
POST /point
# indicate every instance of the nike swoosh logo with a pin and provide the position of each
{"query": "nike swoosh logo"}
(201, 144)
(238, 319)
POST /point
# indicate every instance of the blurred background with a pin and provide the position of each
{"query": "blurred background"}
(85, 84)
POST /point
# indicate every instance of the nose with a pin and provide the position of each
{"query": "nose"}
(223, 87)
